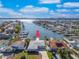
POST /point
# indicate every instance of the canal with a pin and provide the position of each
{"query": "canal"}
(32, 28)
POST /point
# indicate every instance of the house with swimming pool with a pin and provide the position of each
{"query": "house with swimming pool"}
(54, 44)
(18, 45)
(36, 45)
(4, 36)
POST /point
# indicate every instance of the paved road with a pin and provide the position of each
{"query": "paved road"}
(4, 57)
(74, 57)
(44, 54)
(56, 56)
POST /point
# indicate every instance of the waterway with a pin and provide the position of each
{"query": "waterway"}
(32, 28)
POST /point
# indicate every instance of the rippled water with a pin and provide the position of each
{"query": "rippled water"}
(32, 28)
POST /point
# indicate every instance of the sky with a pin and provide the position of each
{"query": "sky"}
(39, 8)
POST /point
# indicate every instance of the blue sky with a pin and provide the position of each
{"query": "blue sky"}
(39, 8)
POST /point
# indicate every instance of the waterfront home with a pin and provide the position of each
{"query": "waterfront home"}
(23, 34)
(36, 45)
(14, 48)
(18, 45)
(6, 49)
(73, 43)
(69, 40)
(1, 56)
(9, 31)
(78, 46)
(4, 36)
(37, 35)
(57, 44)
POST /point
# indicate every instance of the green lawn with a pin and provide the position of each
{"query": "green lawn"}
(32, 57)
(50, 55)
(64, 54)
(18, 56)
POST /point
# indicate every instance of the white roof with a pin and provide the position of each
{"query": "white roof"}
(78, 45)
(1, 54)
(34, 44)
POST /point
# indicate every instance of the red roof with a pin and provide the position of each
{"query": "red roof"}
(53, 44)
(37, 34)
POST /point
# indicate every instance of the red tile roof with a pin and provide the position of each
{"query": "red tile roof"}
(53, 44)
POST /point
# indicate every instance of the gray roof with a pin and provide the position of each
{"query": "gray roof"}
(4, 36)
(18, 45)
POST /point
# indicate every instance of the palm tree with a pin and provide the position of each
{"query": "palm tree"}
(2, 29)
(27, 41)
(17, 28)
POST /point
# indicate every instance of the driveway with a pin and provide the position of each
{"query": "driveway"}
(57, 56)
(4, 57)
(74, 57)
(44, 54)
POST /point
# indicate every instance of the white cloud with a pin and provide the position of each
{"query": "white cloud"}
(28, 21)
(49, 1)
(5, 12)
(60, 15)
(28, 13)
(76, 10)
(29, 6)
(55, 15)
(1, 4)
(63, 10)
(59, 5)
(34, 10)
(0, 16)
(17, 5)
(67, 10)
(70, 5)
